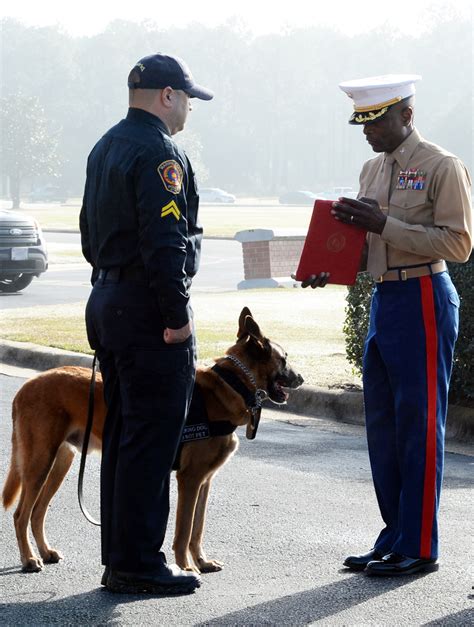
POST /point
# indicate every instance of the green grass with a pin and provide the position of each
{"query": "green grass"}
(308, 324)
(217, 220)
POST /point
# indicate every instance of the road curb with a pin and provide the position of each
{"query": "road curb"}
(35, 357)
(339, 405)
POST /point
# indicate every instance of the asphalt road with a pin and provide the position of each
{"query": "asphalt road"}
(221, 270)
(283, 513)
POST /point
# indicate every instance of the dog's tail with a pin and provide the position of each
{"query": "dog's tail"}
(13, 482)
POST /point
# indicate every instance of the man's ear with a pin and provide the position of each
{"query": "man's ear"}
(407, 115)
(167, 97)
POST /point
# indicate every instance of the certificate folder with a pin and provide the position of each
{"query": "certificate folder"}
(331, 246)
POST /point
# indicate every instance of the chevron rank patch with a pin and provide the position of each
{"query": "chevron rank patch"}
(171, 174)
(171, 209)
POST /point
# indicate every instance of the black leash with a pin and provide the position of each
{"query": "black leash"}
(85, 445)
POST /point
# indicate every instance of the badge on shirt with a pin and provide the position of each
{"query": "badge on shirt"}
(411, 179)
(171, 174)
(171, 209)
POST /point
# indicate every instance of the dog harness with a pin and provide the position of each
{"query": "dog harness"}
(199, 427)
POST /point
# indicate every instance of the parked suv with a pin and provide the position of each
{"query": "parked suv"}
(23, 253)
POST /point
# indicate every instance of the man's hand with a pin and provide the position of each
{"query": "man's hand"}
(175, 336)
(364, 213)
(319, 280)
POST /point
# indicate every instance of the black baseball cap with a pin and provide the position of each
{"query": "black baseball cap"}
(158, 71)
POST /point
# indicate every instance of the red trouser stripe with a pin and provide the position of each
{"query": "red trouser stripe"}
(429, 489)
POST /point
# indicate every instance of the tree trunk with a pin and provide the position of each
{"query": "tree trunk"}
(15, 191)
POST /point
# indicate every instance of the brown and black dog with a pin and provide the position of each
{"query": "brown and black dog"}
(49, 418)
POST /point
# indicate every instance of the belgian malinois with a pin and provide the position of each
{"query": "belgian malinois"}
(49, 418)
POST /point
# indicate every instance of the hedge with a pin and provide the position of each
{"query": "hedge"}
(357, 320)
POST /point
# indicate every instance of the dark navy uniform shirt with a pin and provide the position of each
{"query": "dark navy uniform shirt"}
(140, 209)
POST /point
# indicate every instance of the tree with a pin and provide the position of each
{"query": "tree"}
(29, 147)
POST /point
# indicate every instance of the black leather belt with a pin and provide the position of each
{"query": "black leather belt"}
(117, 274)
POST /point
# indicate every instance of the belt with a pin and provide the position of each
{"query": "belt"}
(117, 274)
(412, 272)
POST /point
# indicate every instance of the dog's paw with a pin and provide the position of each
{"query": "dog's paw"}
(52, 556)
(33, 565)
(210, 566)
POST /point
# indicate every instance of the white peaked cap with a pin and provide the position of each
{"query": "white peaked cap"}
(374, 95)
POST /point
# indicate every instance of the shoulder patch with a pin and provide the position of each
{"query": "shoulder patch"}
(171, 174)
(171, 209)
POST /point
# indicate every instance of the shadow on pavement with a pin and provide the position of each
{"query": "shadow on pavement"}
(313, 605)
(96, 607)
(464, 617)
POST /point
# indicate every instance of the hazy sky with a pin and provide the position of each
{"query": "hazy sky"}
(88, 17)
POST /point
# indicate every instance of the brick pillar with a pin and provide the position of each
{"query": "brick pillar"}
(270, 257)
(256, 260)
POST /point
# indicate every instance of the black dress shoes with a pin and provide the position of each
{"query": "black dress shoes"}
(105, 576)
(395, 564)
(359, 562)
(169, 579)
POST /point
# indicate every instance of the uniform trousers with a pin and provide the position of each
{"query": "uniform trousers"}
(407, 366)
(148, 387)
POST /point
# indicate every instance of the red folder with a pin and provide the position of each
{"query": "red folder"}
(331, 246)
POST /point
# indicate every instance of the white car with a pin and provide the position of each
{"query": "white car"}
(214, 194)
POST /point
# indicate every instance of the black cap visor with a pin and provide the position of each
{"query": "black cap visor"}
(366, 117)
(197, 91)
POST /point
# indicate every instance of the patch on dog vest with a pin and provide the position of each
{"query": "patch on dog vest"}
(195, 432)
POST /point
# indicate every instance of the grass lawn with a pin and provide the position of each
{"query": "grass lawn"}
(218, 220)
(307, 323)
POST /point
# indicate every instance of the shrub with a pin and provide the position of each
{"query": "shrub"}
(462, 379)
(357, 321)
(357, 318)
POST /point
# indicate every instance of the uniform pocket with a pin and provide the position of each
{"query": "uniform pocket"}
(163, 362)
(454, 299)
(408, 198)
(158, 384)
(411, 206)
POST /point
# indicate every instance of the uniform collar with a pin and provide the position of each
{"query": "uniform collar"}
(405, 151)
(140, 115)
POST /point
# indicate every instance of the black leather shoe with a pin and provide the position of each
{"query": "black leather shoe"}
(359, 562)
(167, 580)
(105, 576)
(395, 564)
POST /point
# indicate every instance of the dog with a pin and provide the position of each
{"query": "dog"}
(49, 416)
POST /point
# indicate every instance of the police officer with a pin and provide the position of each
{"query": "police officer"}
(414, 201)
(140, 232)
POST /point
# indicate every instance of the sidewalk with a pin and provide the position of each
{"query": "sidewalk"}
(338, 405)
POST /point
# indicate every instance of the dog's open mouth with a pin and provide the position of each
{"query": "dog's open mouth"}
(276, 392)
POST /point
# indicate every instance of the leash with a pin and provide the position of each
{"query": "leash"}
(259, 396)
(85, 445)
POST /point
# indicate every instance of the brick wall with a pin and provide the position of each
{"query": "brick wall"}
(285, 255)
(269, 254)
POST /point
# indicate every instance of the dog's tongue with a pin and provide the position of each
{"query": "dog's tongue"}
(280, 390)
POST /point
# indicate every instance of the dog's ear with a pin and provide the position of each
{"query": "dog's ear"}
(253, 329)
(242, 332)
(258, 343)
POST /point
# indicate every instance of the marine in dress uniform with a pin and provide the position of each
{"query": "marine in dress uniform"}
(414, 200)
(140, 232)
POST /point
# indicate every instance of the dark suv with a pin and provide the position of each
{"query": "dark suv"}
(23, 253)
